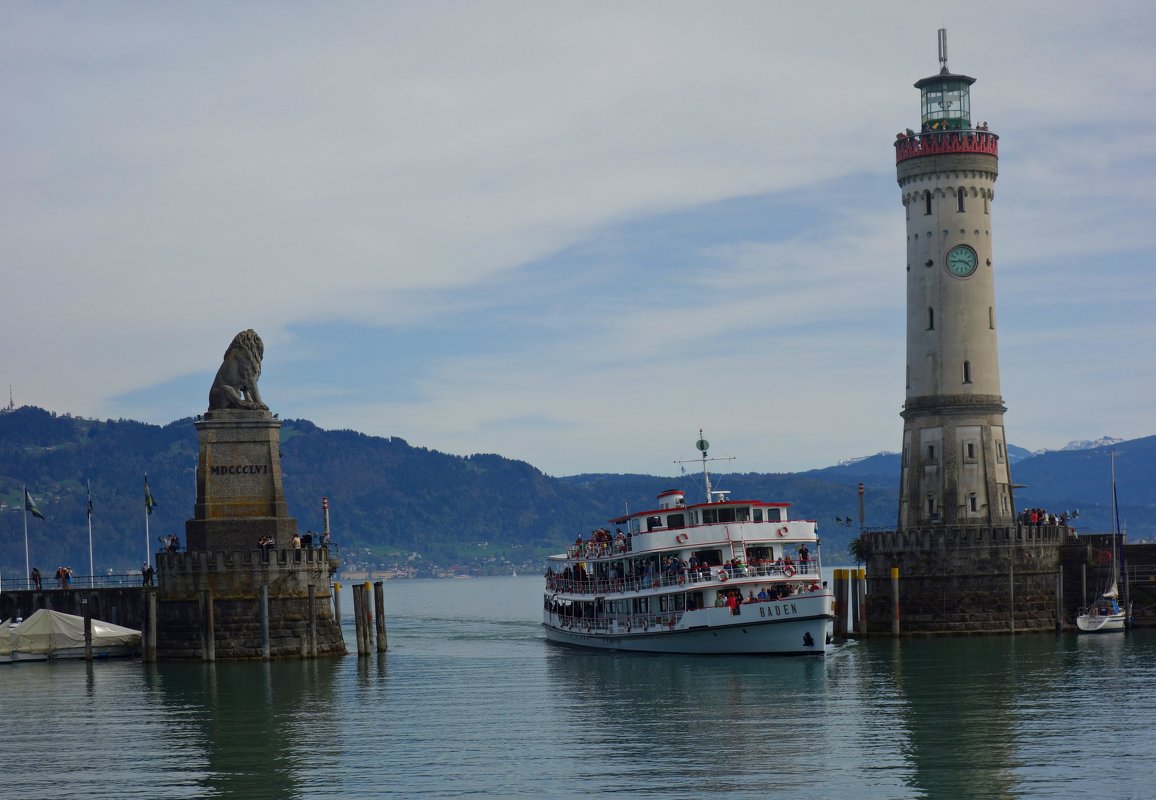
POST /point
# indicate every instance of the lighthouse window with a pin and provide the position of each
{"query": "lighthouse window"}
(990, 318)
(973, 502)
(967, 372)
(930, 318)
(999, 450)
(959, 198)
(969, 452)
(927, 202)
(986, 208)
(930, 454)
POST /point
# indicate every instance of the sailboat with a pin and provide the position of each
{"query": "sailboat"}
(1105, 614)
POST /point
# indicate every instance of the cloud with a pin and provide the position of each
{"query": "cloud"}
(564, 234)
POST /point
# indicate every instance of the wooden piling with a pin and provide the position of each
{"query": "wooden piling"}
(264, 612)
(150, 626)
(854, 592)
(895, 601)
(209, 629)
(87, 601)
(358, 619)
(337, 604)
(840, 604)
(379, 608)
(312, 621)
(861, 599)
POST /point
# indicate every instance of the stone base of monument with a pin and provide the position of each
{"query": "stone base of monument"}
(209, 605)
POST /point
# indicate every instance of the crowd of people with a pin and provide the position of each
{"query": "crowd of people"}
(1039, 516)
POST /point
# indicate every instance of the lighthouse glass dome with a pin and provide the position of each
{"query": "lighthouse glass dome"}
(946, 98)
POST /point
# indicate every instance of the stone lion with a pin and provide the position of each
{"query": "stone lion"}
(236, 383)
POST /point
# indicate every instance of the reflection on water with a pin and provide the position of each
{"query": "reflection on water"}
(471, 700)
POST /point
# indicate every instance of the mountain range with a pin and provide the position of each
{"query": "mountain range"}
(398, 505)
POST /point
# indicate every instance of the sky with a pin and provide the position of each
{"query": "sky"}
(573, 234)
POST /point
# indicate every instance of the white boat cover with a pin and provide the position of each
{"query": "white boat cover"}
(48, 631)
(5, 638)
(1111, 591)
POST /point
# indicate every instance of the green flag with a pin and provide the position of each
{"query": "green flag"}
(30, 505)
(149, 502)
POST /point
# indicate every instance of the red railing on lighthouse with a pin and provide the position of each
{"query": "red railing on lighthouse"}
(936, 143)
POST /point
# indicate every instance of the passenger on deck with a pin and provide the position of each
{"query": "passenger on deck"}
(762, 595)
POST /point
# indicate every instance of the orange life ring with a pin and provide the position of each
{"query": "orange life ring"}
(655, 584)
(722, 575)
(681, 579)
(672, 624)
(682, 537)
(781, 531)
(789, 571)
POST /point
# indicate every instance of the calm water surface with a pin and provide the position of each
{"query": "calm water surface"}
(471, 701)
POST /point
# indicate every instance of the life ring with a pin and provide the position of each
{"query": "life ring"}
(655, 584)
(672, 624)
(682, 537)
(781, 531)
(789, 571)
(722, 575)
(681, 579)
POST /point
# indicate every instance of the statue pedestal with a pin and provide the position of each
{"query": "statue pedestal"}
(239, 492)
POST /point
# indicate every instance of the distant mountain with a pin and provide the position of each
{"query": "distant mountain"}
(393, 503)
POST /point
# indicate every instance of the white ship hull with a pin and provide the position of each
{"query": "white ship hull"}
(798, 626)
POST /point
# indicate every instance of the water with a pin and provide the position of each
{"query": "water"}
(471, 701)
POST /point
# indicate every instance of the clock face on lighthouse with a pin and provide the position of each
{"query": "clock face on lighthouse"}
(961, 261)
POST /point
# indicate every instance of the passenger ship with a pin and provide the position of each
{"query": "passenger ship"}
(721, 576)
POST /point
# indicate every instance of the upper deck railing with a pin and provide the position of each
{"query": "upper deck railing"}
(934, 143)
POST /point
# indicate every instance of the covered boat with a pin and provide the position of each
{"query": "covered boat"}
(720, 576)
(48, 634)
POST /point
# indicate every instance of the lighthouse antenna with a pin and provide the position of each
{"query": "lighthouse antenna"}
(943, 50)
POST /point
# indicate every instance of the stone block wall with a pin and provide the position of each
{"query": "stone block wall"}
(964, 580)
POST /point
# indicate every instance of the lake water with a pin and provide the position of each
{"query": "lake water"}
(471, 701)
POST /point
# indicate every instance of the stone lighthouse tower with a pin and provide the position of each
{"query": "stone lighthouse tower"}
(955, 464)
(956, 561)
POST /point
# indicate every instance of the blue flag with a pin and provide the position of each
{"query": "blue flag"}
(150, 503)
(30, 505)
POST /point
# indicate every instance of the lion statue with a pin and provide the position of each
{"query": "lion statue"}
(236, 383)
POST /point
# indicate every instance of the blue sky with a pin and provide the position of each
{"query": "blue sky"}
(569, 234)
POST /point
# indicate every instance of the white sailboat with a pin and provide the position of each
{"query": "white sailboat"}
(1105, 614)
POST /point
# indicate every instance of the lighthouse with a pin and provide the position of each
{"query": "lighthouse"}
(955, 469)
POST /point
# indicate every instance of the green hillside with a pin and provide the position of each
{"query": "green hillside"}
(393, 503)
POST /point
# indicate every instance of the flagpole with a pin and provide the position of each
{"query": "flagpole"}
(148, 550)
(27, 565)
(91, 569)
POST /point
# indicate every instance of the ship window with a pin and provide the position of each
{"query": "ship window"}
(694, 518)
(774, 515)
(675, 521)
(743, 514)
(653, 522)
(709, 516)
(635, 525)
(726, 515)
(758, 515)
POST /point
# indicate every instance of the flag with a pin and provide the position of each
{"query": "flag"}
(90, 500)
(30, 505)
(149, 501)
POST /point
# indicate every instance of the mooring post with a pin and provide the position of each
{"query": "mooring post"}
(359, 634)
(210, 631)
(379, 608)
(265, 651)
(312, 621)
(854, 589)
(895, 601)
(85, 601)
(151, 625)
(367, 613)
(840, 604)
(861, 596)
(337, 604)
